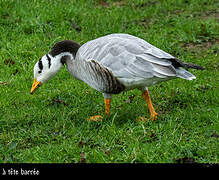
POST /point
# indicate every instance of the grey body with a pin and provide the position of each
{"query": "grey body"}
(117, 62)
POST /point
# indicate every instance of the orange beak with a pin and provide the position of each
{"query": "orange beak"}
(35, 85)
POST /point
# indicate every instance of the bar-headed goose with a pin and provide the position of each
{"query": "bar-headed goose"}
(112, 64)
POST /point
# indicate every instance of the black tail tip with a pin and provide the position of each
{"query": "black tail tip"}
(194, 66)
(199, 67)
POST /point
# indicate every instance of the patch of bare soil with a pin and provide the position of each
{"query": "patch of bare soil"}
(3, 83)
(194, 46)
(212, 13)
(108, 5)
(185, 160)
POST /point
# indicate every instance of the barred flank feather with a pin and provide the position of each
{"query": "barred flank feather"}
(110, 83)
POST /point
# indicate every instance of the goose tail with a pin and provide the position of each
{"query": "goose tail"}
(181, 73)
(193, 66)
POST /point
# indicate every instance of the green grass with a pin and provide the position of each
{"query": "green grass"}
(51, 126)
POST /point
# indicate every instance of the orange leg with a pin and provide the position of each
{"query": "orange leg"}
(146, 96)
(107, 102)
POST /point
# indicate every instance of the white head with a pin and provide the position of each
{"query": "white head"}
(46, 68)
(51, 63)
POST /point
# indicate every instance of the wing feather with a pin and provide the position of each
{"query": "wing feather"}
(129, 57)
(164, 70)
(153, 59)
(149, 48)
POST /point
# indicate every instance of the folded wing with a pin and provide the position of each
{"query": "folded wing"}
(130, 58)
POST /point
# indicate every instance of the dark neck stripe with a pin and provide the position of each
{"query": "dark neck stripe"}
(49, 60)
(63, 59)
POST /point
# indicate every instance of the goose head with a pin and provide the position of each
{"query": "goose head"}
(48, 65)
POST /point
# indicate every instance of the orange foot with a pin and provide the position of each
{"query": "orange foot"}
(153, 116)
(144, 119)
(96, 118)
